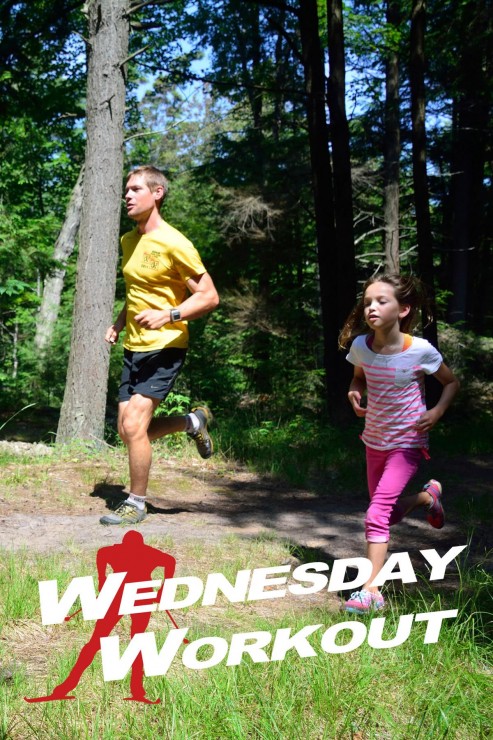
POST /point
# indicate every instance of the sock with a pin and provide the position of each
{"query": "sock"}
(139, 501)
(192, 423)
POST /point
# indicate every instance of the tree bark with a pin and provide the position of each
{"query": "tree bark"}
(470, 122)
(420, 177)
(84, 404)
(392, 150)
(341, 161)
(313, 65)
(52, 292)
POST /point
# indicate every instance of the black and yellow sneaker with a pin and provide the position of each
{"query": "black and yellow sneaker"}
(125, 515)
(201, 436)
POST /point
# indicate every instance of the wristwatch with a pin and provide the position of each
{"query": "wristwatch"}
(174, 315)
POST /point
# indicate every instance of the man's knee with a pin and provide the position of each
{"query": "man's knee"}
(121, 433)
(132, 427)
(135, 418)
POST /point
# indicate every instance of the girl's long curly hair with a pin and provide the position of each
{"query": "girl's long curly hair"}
(409, 291)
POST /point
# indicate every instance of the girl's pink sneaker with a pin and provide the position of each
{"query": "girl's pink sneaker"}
(436, 514)
(364, 602)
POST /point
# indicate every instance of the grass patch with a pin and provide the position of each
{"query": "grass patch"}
(19, 576)
(306, 452)
(412, 690)
(300, 450)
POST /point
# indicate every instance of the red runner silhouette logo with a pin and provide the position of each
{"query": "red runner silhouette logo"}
(137, 561)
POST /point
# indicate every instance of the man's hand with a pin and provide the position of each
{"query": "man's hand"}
(152, 318)
(112, 334)
(355, 401)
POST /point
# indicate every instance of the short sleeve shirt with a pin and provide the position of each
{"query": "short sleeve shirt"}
(395, 389)
(156, 267)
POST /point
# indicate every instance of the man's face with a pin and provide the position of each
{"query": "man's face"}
(140, 201)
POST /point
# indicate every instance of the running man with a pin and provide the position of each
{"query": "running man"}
(167, 285)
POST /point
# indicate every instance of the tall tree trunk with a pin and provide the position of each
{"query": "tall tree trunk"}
(471, 115)
(392, 149)
(84, 404)
(420, 181)
(64, 246)
(313, 64)
(482, 262)
(341, 160)
(420, 178)
(249, 46)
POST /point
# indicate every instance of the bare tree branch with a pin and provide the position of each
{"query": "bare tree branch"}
(135, 54)
(276, 4)
(233, 83)
(139, 6)
(282, 31)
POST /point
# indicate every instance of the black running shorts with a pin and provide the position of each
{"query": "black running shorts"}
(150, 373)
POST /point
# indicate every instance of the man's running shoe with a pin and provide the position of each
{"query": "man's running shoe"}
(125, 515)
(201, 435)
(436, 514)
(364, 602)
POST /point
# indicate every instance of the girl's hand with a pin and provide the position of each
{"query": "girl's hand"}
(427, 420)
(355, 401)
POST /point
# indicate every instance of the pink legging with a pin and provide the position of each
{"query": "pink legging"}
(388, 472)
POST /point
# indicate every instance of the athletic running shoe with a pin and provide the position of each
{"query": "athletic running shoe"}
(125, 515)
(436, 514)
(364, 602)
(201, 435)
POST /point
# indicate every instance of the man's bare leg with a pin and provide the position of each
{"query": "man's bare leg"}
(195, 424)
(137, 428)
(134, 417)
(163, 425)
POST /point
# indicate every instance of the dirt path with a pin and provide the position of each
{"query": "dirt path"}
(58, 505)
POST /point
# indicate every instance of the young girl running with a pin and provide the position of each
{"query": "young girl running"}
(389, 365)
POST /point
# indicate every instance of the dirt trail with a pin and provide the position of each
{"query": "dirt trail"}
(57, 507)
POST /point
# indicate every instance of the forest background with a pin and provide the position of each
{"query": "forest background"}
(308, 146)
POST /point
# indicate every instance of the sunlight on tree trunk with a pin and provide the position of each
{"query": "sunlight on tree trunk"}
(83, 410)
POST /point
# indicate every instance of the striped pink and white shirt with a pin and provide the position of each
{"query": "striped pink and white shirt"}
(395, 388)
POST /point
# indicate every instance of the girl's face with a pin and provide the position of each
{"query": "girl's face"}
(381, 308)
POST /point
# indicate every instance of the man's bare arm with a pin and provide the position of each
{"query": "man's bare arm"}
(204, 299)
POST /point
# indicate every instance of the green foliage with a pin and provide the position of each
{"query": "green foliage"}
(470, 355)
(40, 60)
(176, 404)
(299, 448)
(229, 128)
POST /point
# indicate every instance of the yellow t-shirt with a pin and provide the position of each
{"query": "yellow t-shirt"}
(156, 267)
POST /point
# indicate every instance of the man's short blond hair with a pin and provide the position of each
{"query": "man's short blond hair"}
(153, 178)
